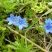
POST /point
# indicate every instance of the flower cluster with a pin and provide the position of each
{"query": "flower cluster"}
(17, 21)
(48, 25)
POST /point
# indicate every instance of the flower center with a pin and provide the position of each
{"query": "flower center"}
(20, 21)
(49, 27)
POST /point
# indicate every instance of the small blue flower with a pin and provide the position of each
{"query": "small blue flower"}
(17, 21)
(48, 25)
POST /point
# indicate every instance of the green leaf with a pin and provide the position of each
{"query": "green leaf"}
(49, 11)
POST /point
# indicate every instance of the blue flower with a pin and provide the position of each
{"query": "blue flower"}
(48, 25)
(17, 21)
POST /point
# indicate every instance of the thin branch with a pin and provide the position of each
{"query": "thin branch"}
(45, 41)
(49, 45)
(26, 39)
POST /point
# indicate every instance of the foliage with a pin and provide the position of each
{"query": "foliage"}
(8, 5)
(20, 46)
(38, 7)
(32, 38)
